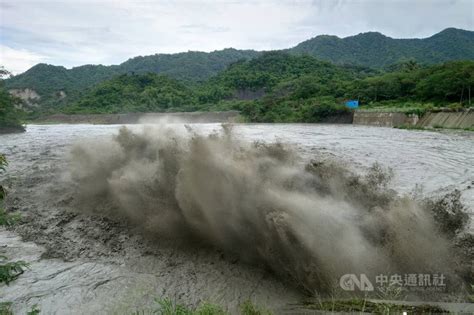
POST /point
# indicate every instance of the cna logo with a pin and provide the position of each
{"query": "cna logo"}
(349, 282)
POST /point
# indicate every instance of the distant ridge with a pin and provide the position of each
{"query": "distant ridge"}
(370, 49)
(376, 50)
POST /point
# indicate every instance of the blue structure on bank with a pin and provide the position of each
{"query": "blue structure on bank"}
(352, 103)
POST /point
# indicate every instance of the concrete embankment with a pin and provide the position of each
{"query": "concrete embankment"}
(135, 118)
(461, 119)
(442, 119)
(383, 119)
(436, 119)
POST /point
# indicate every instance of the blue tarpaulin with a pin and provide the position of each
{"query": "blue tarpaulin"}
(352, 103)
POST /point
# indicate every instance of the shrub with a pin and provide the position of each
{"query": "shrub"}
(10, 271)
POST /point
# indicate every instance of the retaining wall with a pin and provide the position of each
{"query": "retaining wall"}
(383, 119)
(461, 119)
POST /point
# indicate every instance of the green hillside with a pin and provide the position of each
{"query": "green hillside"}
(49, 80)
(242, 82)
(373, 50)
(135, 93)
(279, 87)
(377, 50)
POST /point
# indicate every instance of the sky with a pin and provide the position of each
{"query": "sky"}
(77, 32)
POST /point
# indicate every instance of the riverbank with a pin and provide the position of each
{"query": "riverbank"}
(137, 118)
(404, 119)
(16, 129)
(434, 119)
(463, 119)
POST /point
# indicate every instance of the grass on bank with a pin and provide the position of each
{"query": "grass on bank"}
(6, 309)
(166, 306)
(10, 271)
(8, 219)
(366, 306)
(356, 305)
(434, 128)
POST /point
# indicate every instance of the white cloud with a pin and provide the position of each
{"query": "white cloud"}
(75, 32)
(18, 60)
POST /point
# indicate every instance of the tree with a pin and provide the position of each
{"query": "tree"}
(10, 116)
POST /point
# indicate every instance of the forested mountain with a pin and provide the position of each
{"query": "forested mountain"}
(126, 93)
(48, 80)
(280, 87)
(377, 50)
(253, 78)
(57, 85)
(243, 80)
(187, 66)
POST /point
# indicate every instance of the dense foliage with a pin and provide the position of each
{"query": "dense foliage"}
(10, 116)
(275, 71)
(313, 91)
(279, 87)
(448, 82)
(52, 83)
(58, 86)
(379, 51)
(135, 93)
(189, 66)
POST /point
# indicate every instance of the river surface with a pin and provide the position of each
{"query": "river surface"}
(435, 161)
(88, 272)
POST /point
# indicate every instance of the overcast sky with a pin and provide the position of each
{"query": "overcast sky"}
(76, 32)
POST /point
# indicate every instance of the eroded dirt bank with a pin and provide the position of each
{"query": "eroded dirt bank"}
(90, 262)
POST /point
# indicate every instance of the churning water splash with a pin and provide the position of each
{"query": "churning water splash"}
(309, 223)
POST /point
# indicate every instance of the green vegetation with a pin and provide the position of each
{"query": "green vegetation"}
(276, 86)
(135, 93)
(434, 128)
(317, 91)
(168, 307)
(10, 116)
(369, 50)
(365, 306)
(191, 66)
(8, 219)
(34, 310)
(3, 163)
(58, 86)
(248, 308)
(6, 309)
(279, 87)
(376, 50)
(9, 271)
(445, 83)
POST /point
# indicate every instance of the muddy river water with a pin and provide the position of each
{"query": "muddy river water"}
(86, 264)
